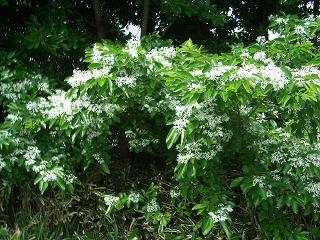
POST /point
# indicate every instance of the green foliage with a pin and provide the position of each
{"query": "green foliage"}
(241, 121)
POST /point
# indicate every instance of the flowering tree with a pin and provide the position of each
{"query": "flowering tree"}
(245, 119)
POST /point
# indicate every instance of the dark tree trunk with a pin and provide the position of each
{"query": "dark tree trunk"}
(315, 8)
(316, 13)
(99, 19)
(145, 18)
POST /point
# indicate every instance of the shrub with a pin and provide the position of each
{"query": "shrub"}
(246, 119)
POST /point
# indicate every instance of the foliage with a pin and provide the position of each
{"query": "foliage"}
(245, 120)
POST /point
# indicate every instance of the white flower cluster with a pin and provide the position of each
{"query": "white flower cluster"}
(59, 104)
(79, 77)
(43, 86)
(140, 139)
(162, 55)
(300, 30)
(98, 56)
(126, 81)
(209, 125)
(261, 39)
(222, 214)
(134, 197)
(13, 118)
(153, 206)
(196, 73)
(183, 112)
(14, 91)
(132, 47)
(110, 200)
(98, 158)
(2, 163)
(259, 181)
(301, 75)
(314, 189)
(218, 71)
(31, 154)
(50, 175)
(174, 193)
(275, 76)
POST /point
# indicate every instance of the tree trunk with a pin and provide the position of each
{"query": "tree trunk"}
(99, 19)
(145, 18)
(315, 8)
(316, 13)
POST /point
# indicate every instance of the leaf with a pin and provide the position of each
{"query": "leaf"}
(110, 85)
(172, 137)
(199, 206)
(224, 96)
(61, 183)
(101, 82)
(285, 99)
(38, 179)
(226, 229)
(247, 86)
(207, 226)
(43, 186)
(105, 168)
(236, 182)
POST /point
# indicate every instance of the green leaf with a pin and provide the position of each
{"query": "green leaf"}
(226, 229)
(38, 179)
(43, 186)
(247, 86)
(101, 82)
(61, 184)
(172, 137)
(207, 226)
(224, 96)
(110, 85)
(285, 99)
(199, 206)
(105, 168)
(236, 182)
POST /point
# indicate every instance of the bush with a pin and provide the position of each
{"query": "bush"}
(241, 121)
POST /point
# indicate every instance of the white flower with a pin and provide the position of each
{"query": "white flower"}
(2, 163)
(98, 158)
(221, 215)
(275, 75)
(43, 86)
(13, 118)
(180, 124)
(96, 54)
(218, 71)
(110, 200)
(134, 197)
(261, 39)
(174, 193)
(50, 175)
(31, 154)
(79, 77)
(259, 56)
(58, 104)
(196, 73)
(126, 81)
(259, 180)
(132, 47)
(161, 56)
(194, 86)
(300, 30)
(152, 206)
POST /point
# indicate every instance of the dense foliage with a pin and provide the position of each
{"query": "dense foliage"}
(240, 129)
